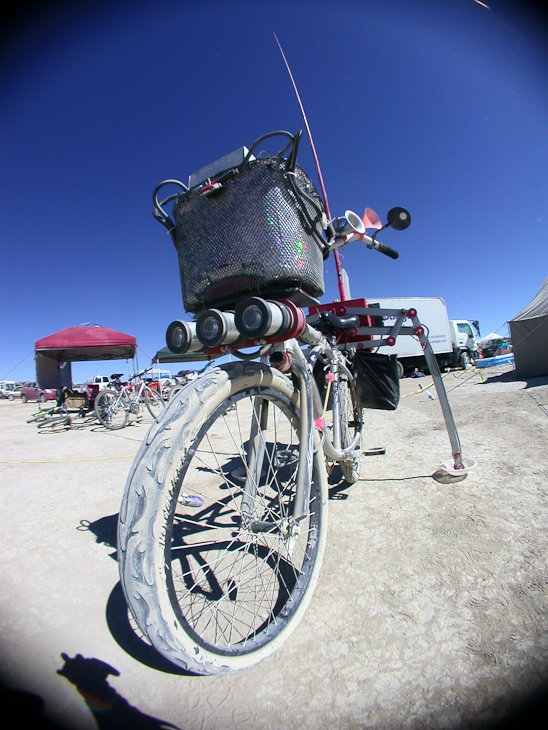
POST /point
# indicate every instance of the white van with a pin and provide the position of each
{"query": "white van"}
(7, 389)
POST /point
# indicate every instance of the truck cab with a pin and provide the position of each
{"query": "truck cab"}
(465, 347)
(102, 381)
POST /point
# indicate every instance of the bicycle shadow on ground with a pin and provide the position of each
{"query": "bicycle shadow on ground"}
(110, 710)
(129, 638)
(337, 485)
(119, 621)
(105, 531)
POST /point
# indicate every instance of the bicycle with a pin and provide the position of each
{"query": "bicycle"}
(47, 413)
(59, 410)
(114, 405)
(65, 421)
(59, 418)
(222, 527)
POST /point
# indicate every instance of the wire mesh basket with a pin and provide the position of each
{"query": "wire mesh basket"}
(254, 229)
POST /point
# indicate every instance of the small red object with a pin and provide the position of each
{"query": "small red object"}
(419, 331)
(390, 341)
(210, 188)
(412, 313)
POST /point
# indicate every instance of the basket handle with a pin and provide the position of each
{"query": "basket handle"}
(158, 212)
(294, 140)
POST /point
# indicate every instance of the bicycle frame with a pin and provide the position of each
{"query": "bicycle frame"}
(132, 391)
(311, 421)
(312, 408)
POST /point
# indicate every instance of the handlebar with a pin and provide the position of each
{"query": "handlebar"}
(381, 247)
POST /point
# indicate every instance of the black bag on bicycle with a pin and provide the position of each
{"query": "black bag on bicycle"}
(255, 229)
(377, 381)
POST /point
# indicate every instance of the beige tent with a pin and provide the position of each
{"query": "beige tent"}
(529, 333)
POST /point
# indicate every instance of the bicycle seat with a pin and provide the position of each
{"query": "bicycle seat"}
(330, 322)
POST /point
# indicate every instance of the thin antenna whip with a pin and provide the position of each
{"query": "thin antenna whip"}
(324, 194)
(318, 170)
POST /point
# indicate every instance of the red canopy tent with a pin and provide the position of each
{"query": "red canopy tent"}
(85, 343)
(82, 343)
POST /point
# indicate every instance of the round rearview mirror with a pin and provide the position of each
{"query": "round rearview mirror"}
(399, 218)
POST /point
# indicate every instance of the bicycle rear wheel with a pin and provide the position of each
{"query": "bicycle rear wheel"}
(351, 423)
(112, 408)
(211, 569)
(154, 402)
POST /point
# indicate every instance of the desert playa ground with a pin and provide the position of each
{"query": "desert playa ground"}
(431, 610)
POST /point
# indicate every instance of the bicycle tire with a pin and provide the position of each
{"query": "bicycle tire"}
(188, 592)
(154, 402)
(351, 422)
(174, 392)
(55, 423)
(112, 409)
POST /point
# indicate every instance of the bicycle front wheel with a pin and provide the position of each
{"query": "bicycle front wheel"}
(213, 569)
(112, 408)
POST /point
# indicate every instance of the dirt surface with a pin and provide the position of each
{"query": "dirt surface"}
(431, 610)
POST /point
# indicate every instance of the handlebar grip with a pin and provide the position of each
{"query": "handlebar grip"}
(386, 250)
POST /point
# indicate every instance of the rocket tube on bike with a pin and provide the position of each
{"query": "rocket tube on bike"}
(215, 328)
(269, 321)
(257, 318)
(181, 337)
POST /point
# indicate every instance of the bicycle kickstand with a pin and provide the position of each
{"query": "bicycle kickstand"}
(460, 466)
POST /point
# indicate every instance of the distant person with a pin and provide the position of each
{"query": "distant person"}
(416, 374)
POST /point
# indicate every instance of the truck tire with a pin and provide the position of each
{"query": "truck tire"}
(401, 370)
(464, 360)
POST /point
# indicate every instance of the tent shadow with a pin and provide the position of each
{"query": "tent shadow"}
(507, 377)
(510, 377)
(535, 382)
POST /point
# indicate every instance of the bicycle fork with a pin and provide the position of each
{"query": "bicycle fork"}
(257, 453)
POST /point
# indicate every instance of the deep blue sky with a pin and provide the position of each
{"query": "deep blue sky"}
(437, 105)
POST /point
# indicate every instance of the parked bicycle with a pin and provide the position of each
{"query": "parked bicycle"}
(222, 526)
(64, 420)
(114, 405)
(47, 413)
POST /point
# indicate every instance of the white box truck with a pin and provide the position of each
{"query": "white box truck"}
(452, 340)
